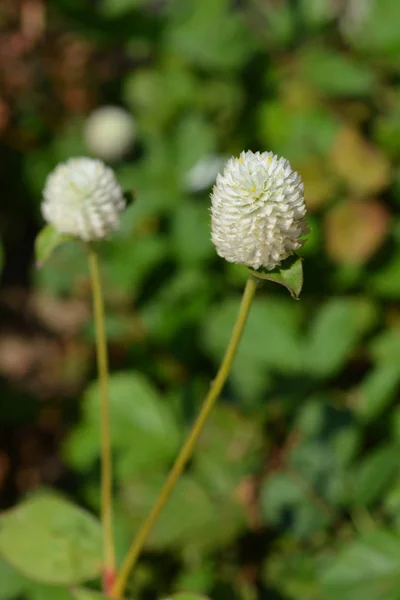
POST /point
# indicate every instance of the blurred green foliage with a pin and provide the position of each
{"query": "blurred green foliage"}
(294, 489)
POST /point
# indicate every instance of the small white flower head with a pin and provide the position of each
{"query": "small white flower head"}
(82, 198)
(109, 132)
(258, 210)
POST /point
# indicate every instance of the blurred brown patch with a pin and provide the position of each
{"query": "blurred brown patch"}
(318, 184)
(39, 348)
(354, 230)
(362, 166)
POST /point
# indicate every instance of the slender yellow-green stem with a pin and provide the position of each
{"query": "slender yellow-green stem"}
(187, 449)
(105, 434)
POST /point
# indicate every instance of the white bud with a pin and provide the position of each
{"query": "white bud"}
(202, 175)
(109, 132)
(354, 18)
(82, 198)
(258, 210)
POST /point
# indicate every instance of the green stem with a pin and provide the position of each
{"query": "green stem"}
(187, 449)
(105, 433)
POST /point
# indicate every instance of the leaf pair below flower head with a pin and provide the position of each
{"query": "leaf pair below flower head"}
(289, 274)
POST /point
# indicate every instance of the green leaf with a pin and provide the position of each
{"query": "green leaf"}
(375, 33)
(336, 74)
(118, 8)
(376, 392)
(193, 519)
(374, 474)
(385, 281)
(11, 582)
(47, 240)
(143, 428)
(284, 499)
(276, 23)
(48, 539)
(337, 328)
(226, 428)
(289, 274)
(270, 341)
(41, 591)
(385, 347)
(185, 596)
(191, 240)
(298, 133)
(192, 127)
(62, 272)
(85, 594)
(189, 290)
(387, 128)
(209, 34)
(198, 575)
(128, 261)
(293, 573)
(316, 12)
(142, 89)
(368, 567)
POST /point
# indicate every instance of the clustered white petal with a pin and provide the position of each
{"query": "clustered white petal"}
(258, 210)
(82, 198)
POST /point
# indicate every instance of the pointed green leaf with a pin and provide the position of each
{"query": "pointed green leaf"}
(144, 433)
(367, 567)
(47, 240)
(374, 474)
(11, 582)
(337, 328)
(85, 594)
(289, 274)
(50, 540)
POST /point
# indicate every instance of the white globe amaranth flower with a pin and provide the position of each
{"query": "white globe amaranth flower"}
(82, 198)
(258, 214)
(109, 132)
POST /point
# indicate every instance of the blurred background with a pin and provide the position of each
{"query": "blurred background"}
(294, 489)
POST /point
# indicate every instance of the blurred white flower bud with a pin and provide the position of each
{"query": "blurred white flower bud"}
(355, 15)
(109, 132)
(202, 175)
(83, 198)
(258, 210)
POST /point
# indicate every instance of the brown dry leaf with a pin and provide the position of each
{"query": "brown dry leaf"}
(42, 365)
(354, 230)
(354, 111)
(40, 350)
(64, 316)
(4, 467)
(363, 167)
(318, 185)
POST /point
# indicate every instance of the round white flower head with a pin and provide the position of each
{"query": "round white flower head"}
(109, 132)
(258, 210)
(82, 198)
